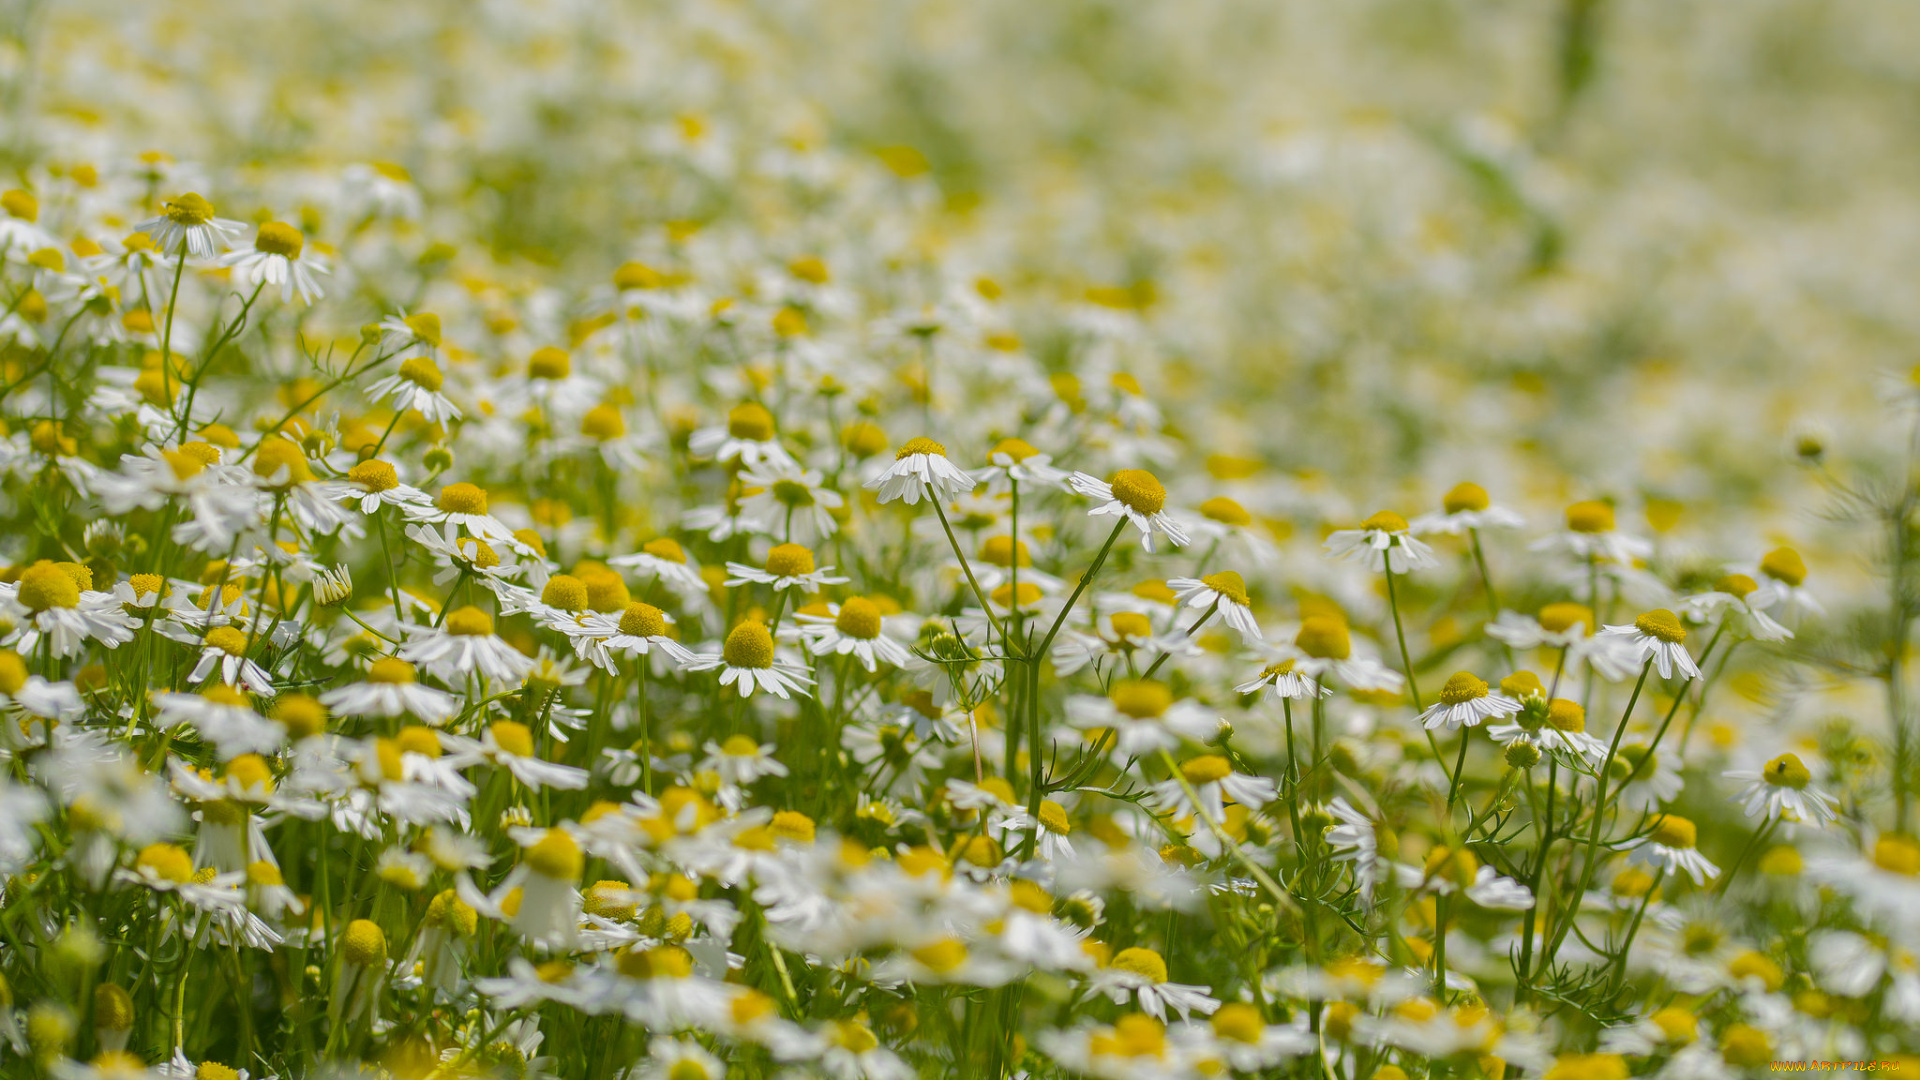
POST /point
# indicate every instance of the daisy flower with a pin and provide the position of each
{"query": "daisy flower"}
(1137, 496)
(417, 386)
(57, 601)
(390, 690)
(224, 717)
(920, 469)
(1559, 725)
(1785, 573)
(279, 258)
(1141, 973)
(1384, 542)
(853, 628)
(1466, 701)
(789, 566)
(1144, 717)
(1325, 648)
(747, 658)
(1671, 847)
(465, 645)
(1570, 626)
(1654, 779)
(1784, 789)
(225, 649)
(1214, 782)
(380, 485)
(1591, 537)
(638, 630)
(186, 224)
(790, 502)
(1016, 461)
(509, 745)
(1465, 508)
(747, 437)
(1658, 635)
(1222, 595)
(740, 760)
(1734, 594)
(668, 562)
(1281, 680)
(407, 336)
(464, 506)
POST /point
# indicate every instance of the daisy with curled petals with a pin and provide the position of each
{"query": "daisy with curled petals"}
(1384, 542)
(279, 257)
(224, 649)
(748, 658)
(854, 627)
(1466, 701)
(1658, 636)
(1222, 595)
(1014, 461)
(747, 437)
(408, 336)
(417, 386)
(509, 745)
(390, 690)
(789, 566)
(790, 502)
(1592, 537)
(668, 562)
(1137, 496)
(639, 630)
(186, 224)
(1670, 846)
(465, 645)
(1734, 595)
(920, 469)
(1466, 508)
(1144, 716)
(379, 485)
(56, 601)
(1784, 789)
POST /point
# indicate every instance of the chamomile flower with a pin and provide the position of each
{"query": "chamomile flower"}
(1141, 974)
(789, 566)
(465, 645)
(1280, 679)
(854, 627)
(279, 257)
(390, 689)
(1571, 627)
(1783, 789)
(1222, 595)
(1591, 536)
(186, 225)
(790, 502)
(57, 602)
(640, 629)
(224, 649)
(379, 485)
(416, 385)
(407, 336)
(1558, 725)
(1658, 635)
(920, 469)
(747, 659)
(509, 745)
(1784, 585)
(1466, 507)
(1466, 701)
(1670, 846)
(1213, 781)
(224, 717)
(1137, 496)
(1144, 716)
(1017, 461)
(747, 437)
(1733, 595)
(1323, 650)
(1383, 542)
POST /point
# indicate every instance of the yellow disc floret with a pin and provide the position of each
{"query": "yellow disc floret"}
(557, 856)
(1139, 491)
(1661, 624)
(1462, 687)
(748, 645)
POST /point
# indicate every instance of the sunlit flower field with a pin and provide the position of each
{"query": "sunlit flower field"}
(877, 539)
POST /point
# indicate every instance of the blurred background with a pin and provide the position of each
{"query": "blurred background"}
(1658, 251)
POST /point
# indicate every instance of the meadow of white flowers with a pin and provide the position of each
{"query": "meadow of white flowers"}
(920, 538)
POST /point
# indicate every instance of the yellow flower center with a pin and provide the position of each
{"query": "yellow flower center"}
(665, 548)
(1676, 1024)
(1054, 817)
(227, 640)
(1457, 865)
(166, 862)
(13, 672)
(1522, 685)
(793, 825)
(1898, 854)
(603, 422)
(469, 622)
(1465, 497)
(364, 944)
(45, 586)
(225, 696)
(421, 371)
(1017, 449)
(858, 618)
(1566, 715)
(750, 420)
(1141, 961)
(276, 455)
(1225, 511)
(1239, 1022)
(1739, 585)
(1385, 521)
(1745, 1046)
(565, 592)
(390, 669)
(1130, 624)
(1787, 770)
(1003, 551)
(1139, 491)
(1206, 769)
(463, 498)
(1591, 516)
(1029, 595)
(478, 553)
(1463, 686)
(189, 209)
(921, 445)
(643, 620)
(374, 475)
(789, 560)
(1135, 1036)
(252, 772)
(1324, 637)
(606, 590)
(853, 1036)
(1141, 699)
(1674, 831)
(557, 856)
(20, 204)
(512, 737)
(748, 645)
(426, 327)
(549, 363)
(1661, 624)
(279, 238)
(1784, 565)
(942, 956)
(1561, 617)
(1229, 585)
(416, 739)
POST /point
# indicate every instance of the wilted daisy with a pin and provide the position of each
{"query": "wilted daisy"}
(1658, 635)
(1466, 701)
(1137, 496)
(186, 225)
(279, 257)
(921, 469)
(1466, 507)
(748, 659)
(789, 566)
(1383, 542)
(1222, 595)
(1783, 789)
(1670, 846)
